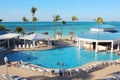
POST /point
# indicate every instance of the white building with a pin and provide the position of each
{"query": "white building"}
(100, 37)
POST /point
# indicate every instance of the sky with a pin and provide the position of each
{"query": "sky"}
(84, 10)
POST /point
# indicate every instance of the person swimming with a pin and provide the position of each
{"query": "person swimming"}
(58, 63)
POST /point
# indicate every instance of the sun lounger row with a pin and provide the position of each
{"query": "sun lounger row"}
(27, 46)
(11, 77)
(70, 72)
(23, 46)
(36, 69)
(84, 70)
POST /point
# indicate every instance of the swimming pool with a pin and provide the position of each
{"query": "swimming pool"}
(66, 57)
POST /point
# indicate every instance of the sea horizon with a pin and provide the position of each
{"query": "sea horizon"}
(48, 26)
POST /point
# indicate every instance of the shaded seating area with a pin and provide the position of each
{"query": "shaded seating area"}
(100, 34)
(7, 41)
(34, 41)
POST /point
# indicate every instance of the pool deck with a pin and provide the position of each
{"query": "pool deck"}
(107, 72)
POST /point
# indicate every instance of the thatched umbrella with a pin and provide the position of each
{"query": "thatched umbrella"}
(72, 34)
(59, 34)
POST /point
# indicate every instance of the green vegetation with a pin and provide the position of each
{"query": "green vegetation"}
(2, 28)
(19, 29)
(1, 20)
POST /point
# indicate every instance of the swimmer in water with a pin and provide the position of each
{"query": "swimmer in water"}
(57, 63)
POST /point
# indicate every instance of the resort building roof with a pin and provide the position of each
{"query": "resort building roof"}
(101, 32)
(35, 37)
(6, 35)
(95, 35)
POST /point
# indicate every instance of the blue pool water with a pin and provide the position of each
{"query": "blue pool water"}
(68, 57)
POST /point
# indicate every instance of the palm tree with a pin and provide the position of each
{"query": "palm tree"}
(25, 19)
(56, 18)
(74, 18)
(1, 20)
(19, 29)
(33, 10)
(63, 23)
(2, 28)
(99, 20)
(34, 19)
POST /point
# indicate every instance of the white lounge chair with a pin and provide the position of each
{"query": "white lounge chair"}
(19, 46)
(23, 46)
(31, 46)
(27, 45)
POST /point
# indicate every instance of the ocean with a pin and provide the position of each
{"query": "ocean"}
(41, 27)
